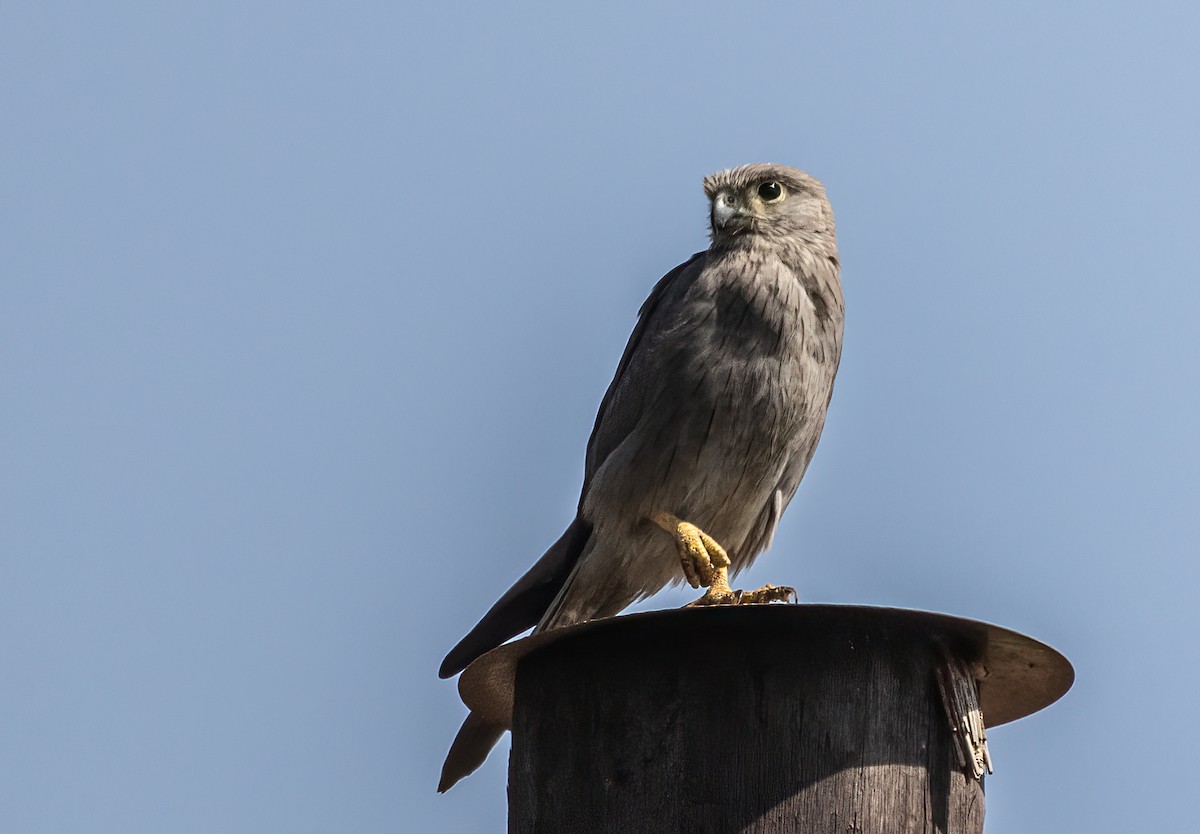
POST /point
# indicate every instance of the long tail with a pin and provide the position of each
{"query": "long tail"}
(520, 607)
(471, 746)
(524, 603)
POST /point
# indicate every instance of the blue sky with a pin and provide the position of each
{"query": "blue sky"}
(306, 309)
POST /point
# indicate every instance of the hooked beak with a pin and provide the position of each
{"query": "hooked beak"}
(724, 209)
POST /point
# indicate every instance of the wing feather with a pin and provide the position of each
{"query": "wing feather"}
(612, 427)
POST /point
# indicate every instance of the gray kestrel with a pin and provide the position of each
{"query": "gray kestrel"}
(705, 431)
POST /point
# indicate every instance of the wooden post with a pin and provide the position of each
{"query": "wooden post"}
(813, 719)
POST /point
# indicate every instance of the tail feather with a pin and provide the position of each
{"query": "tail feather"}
(559, 613)
(523, 605)
(471, 746)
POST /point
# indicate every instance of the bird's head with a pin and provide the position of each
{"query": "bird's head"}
(769, 200)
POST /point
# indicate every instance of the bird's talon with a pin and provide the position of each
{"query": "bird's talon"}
(765, 595)
(768, 594)
(700, 555)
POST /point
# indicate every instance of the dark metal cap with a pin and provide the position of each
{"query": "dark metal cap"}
(1017, 675)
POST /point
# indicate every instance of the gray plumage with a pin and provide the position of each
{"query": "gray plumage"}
(713, 416)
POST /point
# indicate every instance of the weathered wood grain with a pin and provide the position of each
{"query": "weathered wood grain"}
(695, 729)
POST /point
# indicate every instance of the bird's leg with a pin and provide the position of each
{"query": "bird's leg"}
(706, 564)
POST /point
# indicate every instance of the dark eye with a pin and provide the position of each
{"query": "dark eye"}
(770, 191)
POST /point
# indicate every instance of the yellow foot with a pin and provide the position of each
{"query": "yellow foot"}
(727, 596)
(706, 564)
(702, 558)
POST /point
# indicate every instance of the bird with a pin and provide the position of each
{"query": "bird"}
(704, 433)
